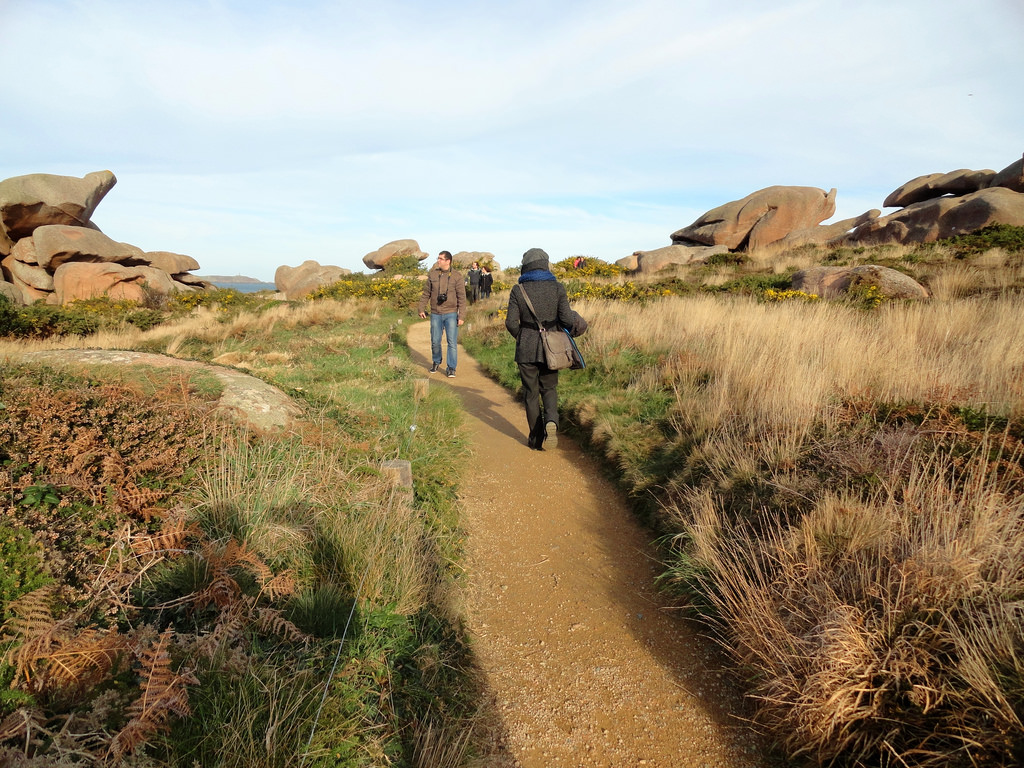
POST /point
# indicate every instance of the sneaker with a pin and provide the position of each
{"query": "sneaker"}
(450, 373)
(551, 434)
(434, 367)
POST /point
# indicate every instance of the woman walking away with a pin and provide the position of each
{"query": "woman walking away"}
(551, 305)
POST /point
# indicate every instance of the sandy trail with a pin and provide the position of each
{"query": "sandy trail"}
(584, 664)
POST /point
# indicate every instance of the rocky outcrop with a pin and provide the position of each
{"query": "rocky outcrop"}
(28, 202)
(379, 259)
(53, 252)
(465, 259)
(931, 220)
(830, 282)
(1011, 177)
(76, 280)
(649, 262)
(298, 282)
(55, 244)
(934, 206)
(244, 398)
(826, 233)
(959, 182)
(760, 218)
(943, 205)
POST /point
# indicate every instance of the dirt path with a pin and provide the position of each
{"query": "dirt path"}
(584, 666)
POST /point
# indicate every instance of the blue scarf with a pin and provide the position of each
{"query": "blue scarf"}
(535, 275)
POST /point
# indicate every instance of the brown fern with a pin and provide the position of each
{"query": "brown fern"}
(174, 532)
(280, 585)
(223, 589)
(22, 722)
(271, 621)
(83, 660)
(138, 502)
(164, 695)
(34, 631)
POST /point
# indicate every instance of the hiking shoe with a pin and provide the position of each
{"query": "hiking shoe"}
(434, 367)
(551, 434)
(450, 373)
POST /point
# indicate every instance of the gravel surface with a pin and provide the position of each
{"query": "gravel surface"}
(585, 663)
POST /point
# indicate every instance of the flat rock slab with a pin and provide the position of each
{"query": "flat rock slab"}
(245, 398)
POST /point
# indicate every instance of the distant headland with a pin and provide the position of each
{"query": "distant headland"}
(229, 279)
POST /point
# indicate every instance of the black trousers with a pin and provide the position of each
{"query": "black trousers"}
(540, 389)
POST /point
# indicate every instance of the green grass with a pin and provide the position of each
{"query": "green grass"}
(285, 535)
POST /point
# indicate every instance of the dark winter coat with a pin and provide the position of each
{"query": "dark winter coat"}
(552, 305)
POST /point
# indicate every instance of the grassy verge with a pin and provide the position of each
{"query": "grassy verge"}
(232, 598)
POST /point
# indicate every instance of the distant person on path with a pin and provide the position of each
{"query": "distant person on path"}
(486, 281)
(540, 383)
(473, 276)
(445, 294)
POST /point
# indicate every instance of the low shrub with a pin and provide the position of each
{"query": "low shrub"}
(397, 292)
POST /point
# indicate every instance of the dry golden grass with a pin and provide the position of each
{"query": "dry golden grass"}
(204, 324)
(864, 611)
(878, 628)
(784, 366)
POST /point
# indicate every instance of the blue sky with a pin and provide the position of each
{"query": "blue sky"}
(254, 134)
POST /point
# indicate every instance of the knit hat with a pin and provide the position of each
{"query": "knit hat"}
(535, 258)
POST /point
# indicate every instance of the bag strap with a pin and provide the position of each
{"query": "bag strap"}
(525, 295)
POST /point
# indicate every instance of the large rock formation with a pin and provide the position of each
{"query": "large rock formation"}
(959, 182)
(465, 259)
(826, 233)
(298, 282)
(829, 282)
(31, 201)
(941, 205)
(933, 206)
(379, 259)
(931, 220)
(53, 252)
(759, 218)
(649, 262)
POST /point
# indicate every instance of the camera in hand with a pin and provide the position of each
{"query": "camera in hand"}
(442, 298)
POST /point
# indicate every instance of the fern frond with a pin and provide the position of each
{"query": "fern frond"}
(113, 470)
(35, 633)
(137, 501)
(271, 621)
(22, 722)
(173, 534)
(223, 589)
(75, 480)
(83, 660)
(30, 614)
(282, 584)
(164, 695)
(240, 556)
(229, 628)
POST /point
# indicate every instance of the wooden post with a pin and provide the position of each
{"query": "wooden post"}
(420, 387)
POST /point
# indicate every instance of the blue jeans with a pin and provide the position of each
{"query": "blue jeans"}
(449, 323)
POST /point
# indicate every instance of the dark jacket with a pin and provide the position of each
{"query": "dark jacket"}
(439, 282)
(552, 305)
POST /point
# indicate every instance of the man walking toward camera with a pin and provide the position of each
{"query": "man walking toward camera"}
(445, 294)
